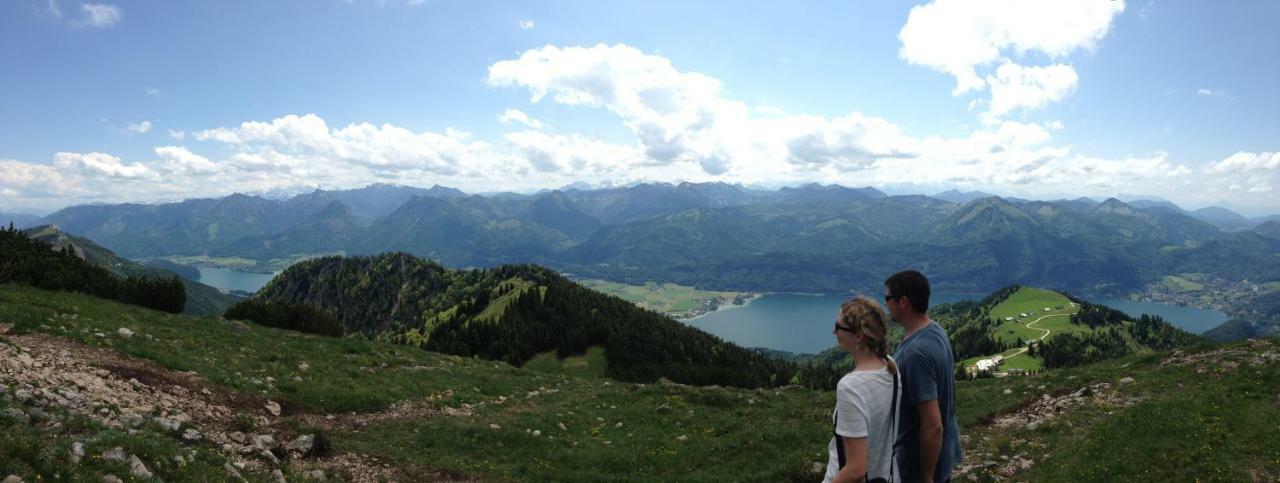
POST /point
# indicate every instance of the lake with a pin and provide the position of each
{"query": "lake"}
(802, 323)
(233, 279)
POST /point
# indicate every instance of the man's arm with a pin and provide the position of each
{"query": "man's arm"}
(930, 437)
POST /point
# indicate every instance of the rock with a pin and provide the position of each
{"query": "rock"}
(263, 441)
(22, 395)
(12, 479)
(132, 420)
(1031, 426)
(236, 437)
(191, 435)
(278, 476)
(16, 415)
(562, 426)
(269, 456)
(682, 438)
(302, 444)
(537, 432)
(494, 426)
(663, 409)
(167, 424)
(619, 425)
(114, 454)
(77, 452)
(1126, 380)
(232, 471)
(303, 366)
(1008, 391)
(125, 332)
(317, 475)
(111, 479)
(817, 468)
(137, 469)
(273, 408)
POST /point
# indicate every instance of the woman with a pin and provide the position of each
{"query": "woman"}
(865, 420)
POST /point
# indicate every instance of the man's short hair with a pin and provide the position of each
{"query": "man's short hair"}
(913, 285)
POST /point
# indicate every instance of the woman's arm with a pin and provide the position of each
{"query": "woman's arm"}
(855, 461)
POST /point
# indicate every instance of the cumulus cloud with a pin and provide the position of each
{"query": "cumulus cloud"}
(515, 115)
(100, 164)
(177, 135)
(1246, 161)
(139, 127)
(178, 159)
(99, 15)
(960, 38)
(1014, 86)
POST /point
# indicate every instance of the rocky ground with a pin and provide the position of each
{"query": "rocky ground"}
(47, 376)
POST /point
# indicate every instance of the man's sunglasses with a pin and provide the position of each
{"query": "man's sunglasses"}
(889, 298)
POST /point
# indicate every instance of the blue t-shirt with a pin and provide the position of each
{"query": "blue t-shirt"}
(925, 361)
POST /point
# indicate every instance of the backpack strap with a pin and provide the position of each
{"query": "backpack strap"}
(893, 424)
(839, 440)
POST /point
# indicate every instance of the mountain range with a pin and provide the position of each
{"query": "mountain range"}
(714, 235)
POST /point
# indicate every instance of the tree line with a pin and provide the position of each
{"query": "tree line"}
(34, 262)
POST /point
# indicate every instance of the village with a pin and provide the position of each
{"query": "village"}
(991, 366)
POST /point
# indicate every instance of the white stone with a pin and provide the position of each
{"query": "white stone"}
(125, 332)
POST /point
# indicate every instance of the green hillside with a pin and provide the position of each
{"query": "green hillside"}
(1033, 327)
(513, 313)
(424, 415)
(201, 299)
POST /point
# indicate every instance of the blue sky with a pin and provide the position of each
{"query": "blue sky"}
(146, 101)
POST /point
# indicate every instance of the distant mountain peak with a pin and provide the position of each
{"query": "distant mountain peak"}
(1113, 205)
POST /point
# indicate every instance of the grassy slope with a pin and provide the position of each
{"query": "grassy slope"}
(667, 298)
(1197, 429)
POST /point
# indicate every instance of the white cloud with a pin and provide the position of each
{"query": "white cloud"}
(102, 164)
(153, 92)
(960, 38)
(1014, 86)
(178, 159)
(177, 135)
(28, 180)
(1246, 161)
(516, 115)
(1210, 92)
(140, 127)
(99, 15)
(54, 10)
(526, 24)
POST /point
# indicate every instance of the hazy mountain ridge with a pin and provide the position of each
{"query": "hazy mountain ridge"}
(714, 235)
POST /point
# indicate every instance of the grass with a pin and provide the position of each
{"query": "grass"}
(1180, 284)
(591, 364)
(1217, 426)
(667, 298)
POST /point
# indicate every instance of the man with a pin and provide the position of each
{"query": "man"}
(928, 444)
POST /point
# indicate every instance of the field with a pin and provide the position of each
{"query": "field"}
(1212, 416)
(666, 298)
(274, 265)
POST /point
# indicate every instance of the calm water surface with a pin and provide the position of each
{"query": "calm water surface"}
(789, 322)
(233, 279)
(802, 323)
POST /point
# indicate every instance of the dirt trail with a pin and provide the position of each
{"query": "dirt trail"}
(126, 392)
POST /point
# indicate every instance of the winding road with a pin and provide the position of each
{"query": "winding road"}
(1046, 331)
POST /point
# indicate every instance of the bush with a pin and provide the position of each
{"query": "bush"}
(302, 318)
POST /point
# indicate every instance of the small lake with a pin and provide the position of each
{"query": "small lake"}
(1190, 319)
(789, 322)
(228, 279)
(802, 323)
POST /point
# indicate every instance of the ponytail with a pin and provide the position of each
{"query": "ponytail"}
(865, 316)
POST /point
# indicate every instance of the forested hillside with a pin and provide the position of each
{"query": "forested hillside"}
(201, 299)
(512, 313)
(28, 261)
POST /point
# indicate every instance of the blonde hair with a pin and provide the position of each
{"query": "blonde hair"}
(864, 316)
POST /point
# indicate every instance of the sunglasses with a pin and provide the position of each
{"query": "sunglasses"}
(890, 298)
(841, 327)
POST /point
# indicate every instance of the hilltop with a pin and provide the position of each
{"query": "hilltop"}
(229, 393)
(513, 313)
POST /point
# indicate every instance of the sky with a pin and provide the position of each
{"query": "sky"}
(146, 101)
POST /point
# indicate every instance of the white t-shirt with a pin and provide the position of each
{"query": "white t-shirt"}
(863, 403)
